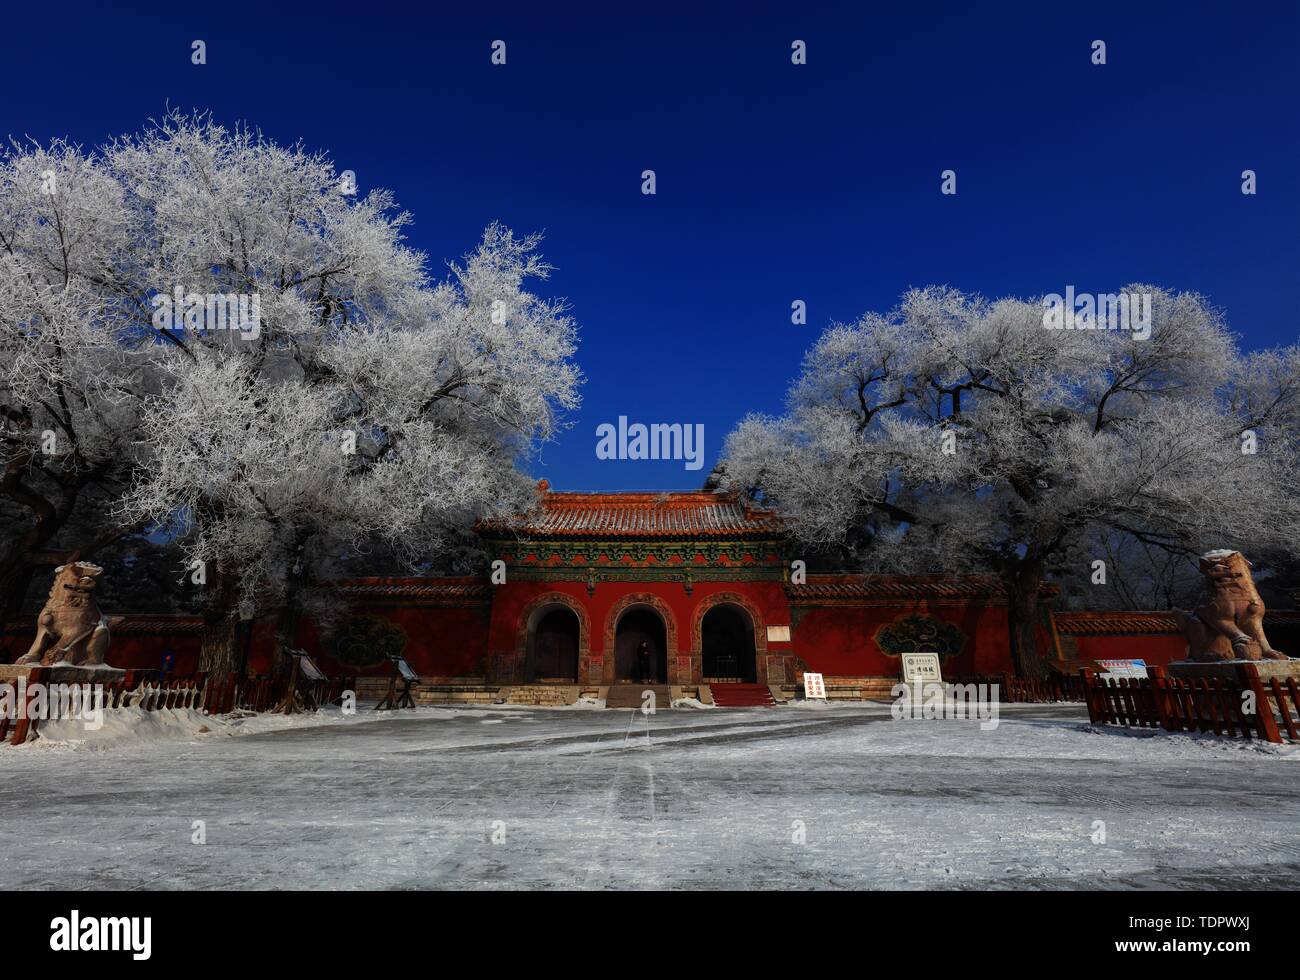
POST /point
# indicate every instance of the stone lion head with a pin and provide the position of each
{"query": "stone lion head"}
(78, 578)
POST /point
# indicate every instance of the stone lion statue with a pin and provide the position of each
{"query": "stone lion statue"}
(70, 628)
(1229, 622)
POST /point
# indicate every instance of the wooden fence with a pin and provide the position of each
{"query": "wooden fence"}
(1026, 690)
(1243, 704)
(150, 690)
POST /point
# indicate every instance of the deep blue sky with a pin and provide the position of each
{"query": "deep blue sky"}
(775, 182)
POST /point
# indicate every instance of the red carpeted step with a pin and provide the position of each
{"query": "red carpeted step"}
(741, 695)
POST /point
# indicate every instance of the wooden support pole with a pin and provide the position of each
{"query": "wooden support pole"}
(1090, 695)
(26, 725)
(1279, 698)
(1160, 695)
(1265, 723)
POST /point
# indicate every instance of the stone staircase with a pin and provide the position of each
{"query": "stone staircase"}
(629, 696)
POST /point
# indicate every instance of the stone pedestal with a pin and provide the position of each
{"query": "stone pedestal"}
(1270, 682)
(1227, 669)
(17, 724)
(62, 674)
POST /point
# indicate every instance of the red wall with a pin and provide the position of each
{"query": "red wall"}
(129, 649)
(447, 642)
(454, 639)
(441, 641)
(1157, 649)
(145, 651)
(840, 640)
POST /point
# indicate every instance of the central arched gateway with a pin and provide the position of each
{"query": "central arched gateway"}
(637, 626)
(727, 645)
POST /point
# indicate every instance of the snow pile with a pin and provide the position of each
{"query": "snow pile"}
(691, 703)
(123, 727)
(815, 704)
(126, 724)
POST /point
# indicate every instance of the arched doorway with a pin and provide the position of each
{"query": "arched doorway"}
(637, 625)
(727, 645)
(552, 646)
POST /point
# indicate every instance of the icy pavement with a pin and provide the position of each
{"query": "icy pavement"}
(813, 797)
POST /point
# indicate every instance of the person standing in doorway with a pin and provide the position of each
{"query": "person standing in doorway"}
(643, 662)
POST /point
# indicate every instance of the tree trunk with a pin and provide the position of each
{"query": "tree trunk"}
(286, 633)
(286, 638)
(288, 619)
(221, 652)
(1024, 613)
(290, 614)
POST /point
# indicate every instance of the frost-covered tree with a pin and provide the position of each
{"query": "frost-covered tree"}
(73, 359)
(231, 347)
(355, 398)
(960, 434)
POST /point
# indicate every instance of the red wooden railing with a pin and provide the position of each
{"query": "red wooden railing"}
(1229, 706)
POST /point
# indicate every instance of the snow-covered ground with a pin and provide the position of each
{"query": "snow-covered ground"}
(837, 796)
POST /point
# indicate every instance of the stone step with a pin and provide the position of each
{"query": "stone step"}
(629, 696)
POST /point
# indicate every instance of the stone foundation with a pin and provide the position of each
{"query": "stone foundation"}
(541, 694)
(859, 688)
(468, 692)
(100, 674)
(1227, 669)
(476, 692)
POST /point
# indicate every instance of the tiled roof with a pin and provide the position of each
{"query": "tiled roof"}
(140, 623)
(1121, 621)
(848, 588)
(1107, 623)
(701, 514)
(424, 589)
(155, 624)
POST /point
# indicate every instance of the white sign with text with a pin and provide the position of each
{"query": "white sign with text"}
(1123, 668)
(920, 668)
